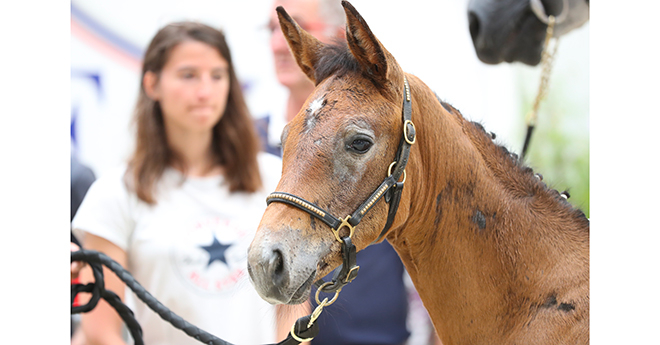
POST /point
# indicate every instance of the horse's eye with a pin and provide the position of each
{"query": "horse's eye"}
(360, 145)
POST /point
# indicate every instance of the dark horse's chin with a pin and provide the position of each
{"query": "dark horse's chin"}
(527, 56)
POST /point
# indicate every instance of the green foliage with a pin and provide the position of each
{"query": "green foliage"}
(564, 163)
(559, 148)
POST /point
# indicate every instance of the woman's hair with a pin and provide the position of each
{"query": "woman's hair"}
(235, 143)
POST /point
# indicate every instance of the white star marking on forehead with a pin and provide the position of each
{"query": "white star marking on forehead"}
(315, 105)
(313, 108)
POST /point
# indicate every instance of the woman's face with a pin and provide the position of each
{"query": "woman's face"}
(192, 88)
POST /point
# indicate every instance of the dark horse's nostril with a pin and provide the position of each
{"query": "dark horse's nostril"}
(474, 26)
(276, 264)
(554, 8)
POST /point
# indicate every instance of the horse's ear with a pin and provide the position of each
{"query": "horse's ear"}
(305, 47)
(366, 48)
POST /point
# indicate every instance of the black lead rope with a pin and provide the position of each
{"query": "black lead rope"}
(305, 328)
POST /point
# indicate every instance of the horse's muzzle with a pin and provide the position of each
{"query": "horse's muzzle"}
(279, 271)
(269, 274)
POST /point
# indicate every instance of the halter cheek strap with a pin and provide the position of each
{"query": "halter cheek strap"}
(393, 195)
(390, 188)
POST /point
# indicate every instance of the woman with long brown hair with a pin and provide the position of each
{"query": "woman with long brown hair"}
(182, 213)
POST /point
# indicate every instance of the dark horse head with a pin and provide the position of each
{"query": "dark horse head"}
(514, 30)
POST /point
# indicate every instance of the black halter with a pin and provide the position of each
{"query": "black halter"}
(390, 188)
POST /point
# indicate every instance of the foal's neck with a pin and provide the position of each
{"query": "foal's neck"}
(480, 230)
(455, 203)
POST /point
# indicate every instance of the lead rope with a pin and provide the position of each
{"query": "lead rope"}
(304, 329)
(547, 60)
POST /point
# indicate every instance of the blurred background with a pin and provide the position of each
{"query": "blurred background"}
(43, 55)
(428, 39)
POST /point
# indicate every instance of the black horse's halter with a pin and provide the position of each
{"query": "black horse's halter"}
(390, 188)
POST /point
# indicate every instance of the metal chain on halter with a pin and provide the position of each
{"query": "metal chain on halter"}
(547, 60)
(304, 329)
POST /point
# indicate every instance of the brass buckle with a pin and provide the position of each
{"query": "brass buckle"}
(389, 171)
(317, 312)
(344, 222)
(299, 339)
(405, 132)
(334, 298)
(348, 276)
(315, 315)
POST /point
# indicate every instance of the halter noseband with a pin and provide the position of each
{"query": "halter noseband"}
(390, 188)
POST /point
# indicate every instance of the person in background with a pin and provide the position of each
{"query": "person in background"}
(325, 20)
(373, 309)
(183, 211)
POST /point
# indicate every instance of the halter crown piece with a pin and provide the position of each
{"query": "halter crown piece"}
(390, 188)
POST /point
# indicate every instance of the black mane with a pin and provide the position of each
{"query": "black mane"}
(337, 59)
(533, 182)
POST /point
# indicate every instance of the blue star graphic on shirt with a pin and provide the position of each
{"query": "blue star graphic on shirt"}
(216, 251)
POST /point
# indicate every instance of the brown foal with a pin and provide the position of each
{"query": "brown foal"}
(496, 256)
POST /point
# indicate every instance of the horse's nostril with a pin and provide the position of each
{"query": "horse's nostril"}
(474, 26)
(552, 7)
(277, 266)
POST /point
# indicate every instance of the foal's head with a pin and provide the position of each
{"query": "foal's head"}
(336, 152)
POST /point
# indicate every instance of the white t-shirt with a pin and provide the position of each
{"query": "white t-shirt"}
(189, 250)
